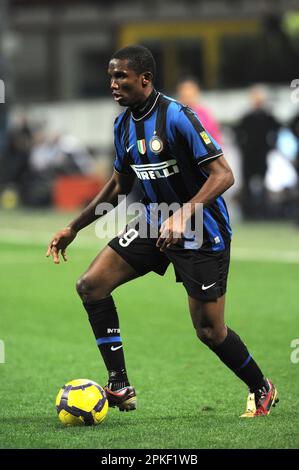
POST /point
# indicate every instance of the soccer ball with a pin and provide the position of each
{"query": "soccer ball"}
(81, 402)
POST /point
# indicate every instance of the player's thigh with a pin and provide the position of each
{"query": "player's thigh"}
(107, 271)
(207, 314)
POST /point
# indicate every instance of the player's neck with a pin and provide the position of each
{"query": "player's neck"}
(143, 108)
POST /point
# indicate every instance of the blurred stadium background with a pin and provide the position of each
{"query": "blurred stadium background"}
(56, 152)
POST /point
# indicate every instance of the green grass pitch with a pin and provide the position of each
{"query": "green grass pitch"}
(186, 397)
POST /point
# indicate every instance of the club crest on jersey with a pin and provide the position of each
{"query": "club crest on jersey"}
(141, 146)
(156, 144)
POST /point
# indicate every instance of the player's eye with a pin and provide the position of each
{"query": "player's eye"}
(120, 75)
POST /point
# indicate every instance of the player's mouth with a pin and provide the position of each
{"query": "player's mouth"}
(117, 96)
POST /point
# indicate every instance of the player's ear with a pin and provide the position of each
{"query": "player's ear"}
(147, 77)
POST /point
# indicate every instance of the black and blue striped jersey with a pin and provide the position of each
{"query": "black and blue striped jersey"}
(167, 148)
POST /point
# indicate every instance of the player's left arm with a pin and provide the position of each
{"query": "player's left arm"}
(208, 155)
(219, 180)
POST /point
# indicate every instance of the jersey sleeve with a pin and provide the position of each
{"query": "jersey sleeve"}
(121, 162)
(201, 144)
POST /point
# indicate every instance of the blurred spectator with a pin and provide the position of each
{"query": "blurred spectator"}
(188, 91)
(58, 154)
(15, 160)
(281, 177)
(52, 156)
(256, 135)
(281, 173)
(294, 127)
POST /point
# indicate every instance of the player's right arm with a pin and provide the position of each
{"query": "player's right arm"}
(118, 184)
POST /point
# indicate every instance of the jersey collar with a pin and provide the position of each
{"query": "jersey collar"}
(145, 110)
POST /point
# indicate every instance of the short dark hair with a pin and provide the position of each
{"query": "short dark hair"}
(139, 57)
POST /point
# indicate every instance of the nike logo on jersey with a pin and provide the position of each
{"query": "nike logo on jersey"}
(153, 171)
(207, 287)
(129, 148)
(115, 348)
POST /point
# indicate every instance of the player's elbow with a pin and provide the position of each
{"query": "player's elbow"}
(229, 178)
(225, 180)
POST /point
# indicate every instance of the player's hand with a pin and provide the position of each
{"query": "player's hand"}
(171, 231)
(59, 243)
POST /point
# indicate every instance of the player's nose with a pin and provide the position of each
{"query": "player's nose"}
(114, 85)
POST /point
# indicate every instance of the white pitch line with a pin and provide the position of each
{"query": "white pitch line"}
(27, 237)
(273, 256)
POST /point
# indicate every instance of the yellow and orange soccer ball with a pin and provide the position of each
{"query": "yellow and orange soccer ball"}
(81, 402)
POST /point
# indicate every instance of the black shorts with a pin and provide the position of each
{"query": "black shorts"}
(203, 274)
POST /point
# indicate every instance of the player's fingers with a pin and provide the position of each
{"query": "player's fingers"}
(63, 254)
(164, 233)
(55, 255)
(174, 241)
(166, 242)
(50, 246)
(161, 241)
(49, 250)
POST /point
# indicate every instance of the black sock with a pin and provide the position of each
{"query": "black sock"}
(105, 324)
(233, 352)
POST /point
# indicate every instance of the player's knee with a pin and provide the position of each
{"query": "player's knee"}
(210, 336)
(83, 287)
(203, 334)
(89, 290)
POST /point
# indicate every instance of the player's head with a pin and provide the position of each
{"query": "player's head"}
(132, 72)
(188, 91)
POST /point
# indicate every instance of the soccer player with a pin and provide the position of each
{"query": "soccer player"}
(164, 145)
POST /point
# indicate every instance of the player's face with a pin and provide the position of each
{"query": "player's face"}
(126, 85)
